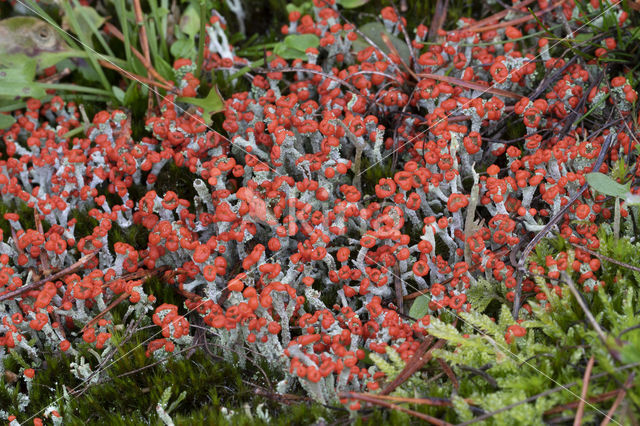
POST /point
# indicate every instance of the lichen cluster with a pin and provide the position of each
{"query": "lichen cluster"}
(357, 199)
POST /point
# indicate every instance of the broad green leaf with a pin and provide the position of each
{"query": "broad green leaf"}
(212, 104)
(88, 20)
(295, 45)
(161, 12)
(24, 39)
(19, 81)
(352, 4)
(373, 31)
(303, 8)
(606, 185)
(6, 121)
(290, 7)
(285, 52)
(132, 94)
(164, 68)
(301, 41)
(190, 22)
(89, 73)
(183, 48)
(631, 351)
(631, 199)
(118, 93)
(420, 307)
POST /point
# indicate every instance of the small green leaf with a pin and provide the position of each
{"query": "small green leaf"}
(303, 8)
(290, 7)
(183, 48)
(212, 104)
(118, 93)
(606, 185)
(631, 199)
(295, 45)
(161, 12)
(285, 52)
(301, 41)
(18, 81)
(132, 94)
(352, 4)
(373, 31)
(631, 351)
(164, 68)
(420, 307)
(88, 20)
(190, 22)
(6, 121)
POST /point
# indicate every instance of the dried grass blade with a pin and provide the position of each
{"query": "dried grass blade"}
(420, 358)
(438, 19)
(471, 86)
(519, 21)
(373, 400)
(497, 16)
(583, 395)
(619, 398)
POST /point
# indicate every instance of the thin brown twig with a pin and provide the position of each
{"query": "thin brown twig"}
(519, 21)
(435, 402)
(437, 21)
(572, 405)
(419, 358)
(105, 311)
(144, 42)
(66, 271)
(55, 77)
(133, 76)
(542, 395)
(621, 394)
(449, 372)
(405, 34)
(472, 85)
(480, 372)
(397, 283)
(588, 314)
(520, 269)
(144, 273)
(496, 16)
(387, 41)
(117, 34)
(44, 260)
(607, 258)
(373, 400)
(583, 395)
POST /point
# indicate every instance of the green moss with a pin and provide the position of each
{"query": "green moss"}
(125, 398)
(136, 235)
(176, 179)
(27, 219)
